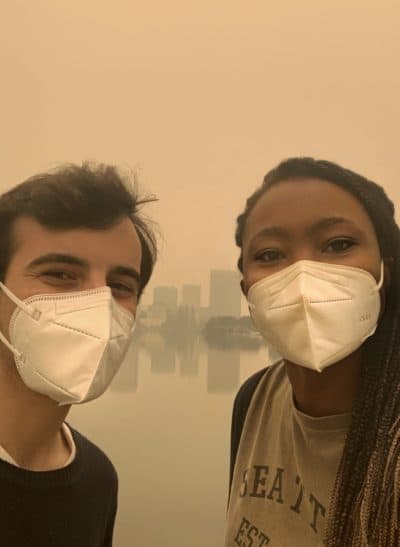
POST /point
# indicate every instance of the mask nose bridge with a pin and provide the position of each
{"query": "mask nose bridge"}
(298, 280)
(69, 313)
(80, 301)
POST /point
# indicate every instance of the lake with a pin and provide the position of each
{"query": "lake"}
(165, 425)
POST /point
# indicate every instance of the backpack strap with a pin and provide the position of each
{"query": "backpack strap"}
(240, 407)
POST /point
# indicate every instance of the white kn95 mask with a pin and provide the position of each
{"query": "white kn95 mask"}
(69, 346)
(315, 314)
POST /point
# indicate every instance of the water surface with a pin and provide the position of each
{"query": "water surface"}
(165, 424)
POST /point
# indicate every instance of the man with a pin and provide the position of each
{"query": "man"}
(75, 256)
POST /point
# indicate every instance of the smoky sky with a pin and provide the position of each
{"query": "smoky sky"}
(201, 98)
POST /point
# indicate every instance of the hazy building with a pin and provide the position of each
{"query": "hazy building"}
(166, 297)
(155, 316)
(225, 295)
(204, 314)
(191, 295)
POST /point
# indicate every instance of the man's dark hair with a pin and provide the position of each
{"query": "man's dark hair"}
(365, 504)
(95, 196)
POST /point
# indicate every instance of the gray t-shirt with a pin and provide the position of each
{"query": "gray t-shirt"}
(285, 470)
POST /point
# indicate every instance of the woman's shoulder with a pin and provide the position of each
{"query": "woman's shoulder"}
(274, 374)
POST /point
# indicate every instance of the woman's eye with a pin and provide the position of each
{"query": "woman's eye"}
(339, 245)
(270, 255)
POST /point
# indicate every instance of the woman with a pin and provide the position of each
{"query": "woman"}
(316, 436)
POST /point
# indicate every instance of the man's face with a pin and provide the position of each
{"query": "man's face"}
(47, 261)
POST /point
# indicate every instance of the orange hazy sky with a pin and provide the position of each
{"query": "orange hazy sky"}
(201, 97)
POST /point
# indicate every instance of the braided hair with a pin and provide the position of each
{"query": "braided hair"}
(364, 507)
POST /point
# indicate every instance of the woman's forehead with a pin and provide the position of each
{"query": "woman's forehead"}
(304, 201)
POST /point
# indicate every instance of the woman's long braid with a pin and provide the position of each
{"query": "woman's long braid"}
(367, 489)
(366, 475)
(364, 508)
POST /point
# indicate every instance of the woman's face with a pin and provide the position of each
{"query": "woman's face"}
(307, 219)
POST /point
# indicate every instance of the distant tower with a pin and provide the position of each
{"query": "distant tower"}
(191, 296)
(225, 295)
(166, 297)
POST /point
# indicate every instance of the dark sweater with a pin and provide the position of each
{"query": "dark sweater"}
(70, 507)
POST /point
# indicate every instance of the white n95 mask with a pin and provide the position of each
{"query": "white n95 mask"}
(315, 314)
(69, 346)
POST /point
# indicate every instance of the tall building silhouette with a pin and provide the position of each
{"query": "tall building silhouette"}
(191, 295)
(225, 296)
(166, 297)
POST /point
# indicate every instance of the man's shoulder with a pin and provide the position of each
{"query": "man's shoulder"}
(93, 458)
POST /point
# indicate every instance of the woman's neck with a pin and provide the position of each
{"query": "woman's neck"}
(329, 392)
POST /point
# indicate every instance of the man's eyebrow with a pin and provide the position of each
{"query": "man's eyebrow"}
(51, 258)
(59, 258)
(127, 271)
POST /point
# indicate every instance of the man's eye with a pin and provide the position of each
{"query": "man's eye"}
(269, 255)
(122, 287)
(59, 274)
(339, 245)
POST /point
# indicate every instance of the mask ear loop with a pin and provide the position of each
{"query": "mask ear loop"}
(382, 278)
(10, 347)
(35, 314)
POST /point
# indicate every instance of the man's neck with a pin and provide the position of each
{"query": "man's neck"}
(329, 392)
(30, 424)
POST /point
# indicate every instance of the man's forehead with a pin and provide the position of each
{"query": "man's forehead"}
(119, 242)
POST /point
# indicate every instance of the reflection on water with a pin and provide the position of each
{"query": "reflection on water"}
(223, 370)
(162, 360)
(165, 424)
(189, 356)
(127, 377)
(166, 351)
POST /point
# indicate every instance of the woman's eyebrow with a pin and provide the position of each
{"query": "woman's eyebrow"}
(328, 222)
(322, 224)
(272, 231)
